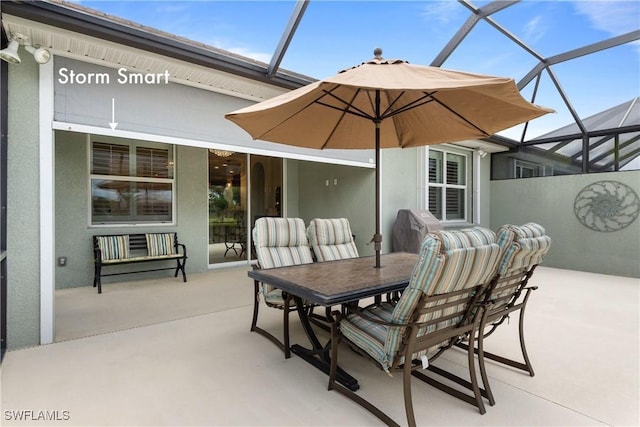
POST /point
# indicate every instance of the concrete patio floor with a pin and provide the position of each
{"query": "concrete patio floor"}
(166, 353)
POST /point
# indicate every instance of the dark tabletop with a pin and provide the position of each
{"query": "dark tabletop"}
(337, 282)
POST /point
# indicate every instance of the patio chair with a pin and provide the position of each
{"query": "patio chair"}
(278, 242)
(331, 239)
(523, 248)
(439, 307)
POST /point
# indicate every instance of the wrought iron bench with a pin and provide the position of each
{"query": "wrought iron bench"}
(116, 249)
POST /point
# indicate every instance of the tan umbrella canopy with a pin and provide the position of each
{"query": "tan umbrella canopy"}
(405, 105)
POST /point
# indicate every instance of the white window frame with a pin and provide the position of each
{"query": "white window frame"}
(470, 187)
(133, 144)
(518, 165)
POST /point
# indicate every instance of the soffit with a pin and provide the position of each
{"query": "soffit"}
(90, 49)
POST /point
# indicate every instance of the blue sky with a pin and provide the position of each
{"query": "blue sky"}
(334, 35)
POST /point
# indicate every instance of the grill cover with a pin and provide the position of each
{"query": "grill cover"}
(410, 228)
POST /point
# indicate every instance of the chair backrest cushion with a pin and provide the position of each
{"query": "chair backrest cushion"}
(522, 247)
(159, 244)
(331, 239)
(281, 242)
(448, 261)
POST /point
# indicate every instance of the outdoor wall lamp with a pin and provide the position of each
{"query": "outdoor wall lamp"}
(10, 53)
(40, 54)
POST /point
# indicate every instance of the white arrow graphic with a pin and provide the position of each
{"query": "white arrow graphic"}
(113, 123)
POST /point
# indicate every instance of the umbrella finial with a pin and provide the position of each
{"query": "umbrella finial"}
(377, 53)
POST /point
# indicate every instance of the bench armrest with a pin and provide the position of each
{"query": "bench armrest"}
(184, 249)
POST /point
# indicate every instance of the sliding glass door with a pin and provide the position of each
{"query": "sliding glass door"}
(238, 195)
(227, 207)
(266, 187)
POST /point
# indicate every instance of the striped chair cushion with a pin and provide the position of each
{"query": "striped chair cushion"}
(522, 246)
(448, 261)
(331, 239)
(159, 244)
(281, 242)
(113, 247)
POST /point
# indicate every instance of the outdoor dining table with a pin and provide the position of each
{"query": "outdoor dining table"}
(335, 283)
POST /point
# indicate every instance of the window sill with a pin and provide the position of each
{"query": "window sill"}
(458, 225)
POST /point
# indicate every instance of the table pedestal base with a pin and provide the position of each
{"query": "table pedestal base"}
(316, 359)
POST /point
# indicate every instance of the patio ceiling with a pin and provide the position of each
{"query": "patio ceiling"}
(593, 140)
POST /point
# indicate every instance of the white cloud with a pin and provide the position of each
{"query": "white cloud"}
(258, 56)
(614, 17)
(240, 50)
(535, 29)
(442, 11)
(172, 8)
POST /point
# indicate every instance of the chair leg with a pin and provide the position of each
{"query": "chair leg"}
(523, 347)
(255, 328)
(526, 366)
(333, 385)
(408, 401)
(483, 369)
(475, 398)
(474, 378)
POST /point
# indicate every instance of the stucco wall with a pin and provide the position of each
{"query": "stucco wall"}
(73, 233)
(549, 201)
(23, 204)
(292, 188)
(352, 197)
(350, 193)
(399, 182)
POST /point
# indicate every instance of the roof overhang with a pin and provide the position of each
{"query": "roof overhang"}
(69, 31)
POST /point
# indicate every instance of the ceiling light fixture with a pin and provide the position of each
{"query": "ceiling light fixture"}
(220, 153)
(10, 53)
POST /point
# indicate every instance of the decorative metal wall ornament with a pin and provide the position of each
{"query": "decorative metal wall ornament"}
(606, 206)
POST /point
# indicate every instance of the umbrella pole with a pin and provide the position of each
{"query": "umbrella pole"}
(377, 237)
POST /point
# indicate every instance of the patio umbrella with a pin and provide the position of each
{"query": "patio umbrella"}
(388, 103)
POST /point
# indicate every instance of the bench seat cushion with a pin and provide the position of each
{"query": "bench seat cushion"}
(142, 258)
